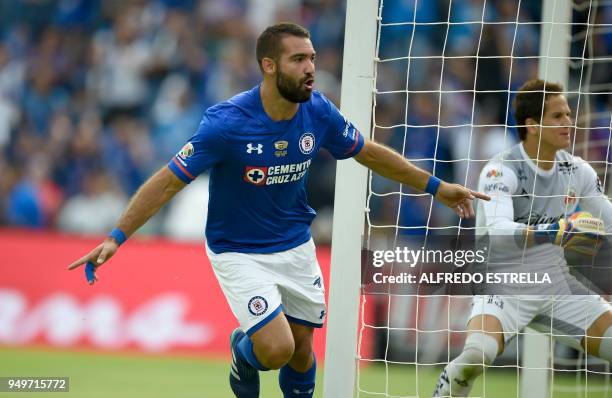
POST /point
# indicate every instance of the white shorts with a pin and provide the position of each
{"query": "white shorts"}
(259, 286)
(567, 317)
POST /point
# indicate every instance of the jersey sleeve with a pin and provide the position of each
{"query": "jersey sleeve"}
(499, 182)
(592, 197)
(203, 150)
(342, 139)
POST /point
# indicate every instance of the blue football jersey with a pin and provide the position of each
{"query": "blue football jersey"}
(258, 169)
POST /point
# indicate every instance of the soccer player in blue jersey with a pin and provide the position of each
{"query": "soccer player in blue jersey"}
(258, 147)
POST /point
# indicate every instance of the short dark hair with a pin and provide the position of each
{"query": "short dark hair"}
(530, 102)
(269, 41)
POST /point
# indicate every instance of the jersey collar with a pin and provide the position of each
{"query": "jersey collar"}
(539, 171)
(275, 125)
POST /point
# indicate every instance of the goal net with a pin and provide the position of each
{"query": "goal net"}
(441, 84)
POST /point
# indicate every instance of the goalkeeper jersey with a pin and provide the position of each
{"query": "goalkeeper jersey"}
(524, 194)
(258, 169)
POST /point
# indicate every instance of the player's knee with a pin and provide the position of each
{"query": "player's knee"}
(302, 355)
(605, 345)
(277, 355)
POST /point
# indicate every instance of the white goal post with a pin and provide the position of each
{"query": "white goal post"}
(349, 203)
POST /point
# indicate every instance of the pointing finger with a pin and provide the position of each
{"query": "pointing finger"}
(480, 195)
(79, 262)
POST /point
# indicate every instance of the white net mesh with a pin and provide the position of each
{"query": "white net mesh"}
(446, 75)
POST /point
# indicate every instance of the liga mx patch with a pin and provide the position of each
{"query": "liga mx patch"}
(256, 175)
(258, 306)
(186, 151)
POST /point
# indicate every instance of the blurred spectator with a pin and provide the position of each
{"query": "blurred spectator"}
(121, 57)
(35, 199)
(95, 209)
(175, 115)
(42, 98)
(127, 152)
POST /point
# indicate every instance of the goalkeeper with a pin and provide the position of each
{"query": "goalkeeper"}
(536, 188)
(259, 146)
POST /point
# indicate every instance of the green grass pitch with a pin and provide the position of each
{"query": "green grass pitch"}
(139, 376)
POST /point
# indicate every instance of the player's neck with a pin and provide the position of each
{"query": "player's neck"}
(277, 107)
(543, 156)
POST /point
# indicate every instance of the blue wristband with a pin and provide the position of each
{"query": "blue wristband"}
(432, 185)
(118, 235)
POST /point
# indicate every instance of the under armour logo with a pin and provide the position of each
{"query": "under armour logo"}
(251, 148)
(317, 282)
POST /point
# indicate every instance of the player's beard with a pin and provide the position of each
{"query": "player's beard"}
(291, 89)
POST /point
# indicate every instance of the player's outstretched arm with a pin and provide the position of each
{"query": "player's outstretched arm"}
(145, 203)
(390, 164)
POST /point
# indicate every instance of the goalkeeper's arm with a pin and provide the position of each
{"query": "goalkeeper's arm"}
(501, 183)
(145, 203)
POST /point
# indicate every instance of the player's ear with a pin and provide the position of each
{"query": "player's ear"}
(532, 125)
(268, 65)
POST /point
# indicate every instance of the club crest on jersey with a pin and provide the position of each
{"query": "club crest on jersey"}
(307, 143)
(254, 148)
(570, 199)
(255, 175)
(281, 148)
(186, 151)
(258, 306)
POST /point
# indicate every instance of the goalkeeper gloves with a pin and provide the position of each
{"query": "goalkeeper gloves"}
(581, 232)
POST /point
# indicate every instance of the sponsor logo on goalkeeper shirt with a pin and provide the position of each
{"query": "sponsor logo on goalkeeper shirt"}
(494, 173)
(537, 218)
(258, 306)
(567, 167)
(279, 174)
(496, 186)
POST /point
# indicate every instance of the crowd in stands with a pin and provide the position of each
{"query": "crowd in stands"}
(96, 95)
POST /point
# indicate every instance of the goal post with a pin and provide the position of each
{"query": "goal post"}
(349, 204)
(555, 39)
